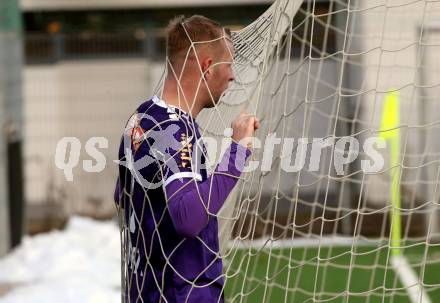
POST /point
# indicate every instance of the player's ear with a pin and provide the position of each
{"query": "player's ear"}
(206, 67)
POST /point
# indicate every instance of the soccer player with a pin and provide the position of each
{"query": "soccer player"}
(168, 200)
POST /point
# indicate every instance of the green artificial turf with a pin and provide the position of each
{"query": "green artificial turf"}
(336, 276)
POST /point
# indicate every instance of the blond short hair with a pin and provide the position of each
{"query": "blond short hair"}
(181, 32)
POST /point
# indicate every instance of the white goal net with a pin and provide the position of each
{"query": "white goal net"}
(332, 217)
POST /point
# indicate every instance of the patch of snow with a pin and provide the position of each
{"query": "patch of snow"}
(78, 264)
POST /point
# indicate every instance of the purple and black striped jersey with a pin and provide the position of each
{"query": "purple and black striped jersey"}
(171, 243)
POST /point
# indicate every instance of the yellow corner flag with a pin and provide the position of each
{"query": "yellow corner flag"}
(389, 130)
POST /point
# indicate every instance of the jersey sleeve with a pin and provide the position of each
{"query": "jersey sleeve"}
(191, 204)
(161, 147)
(176, 150)
(165, 143)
